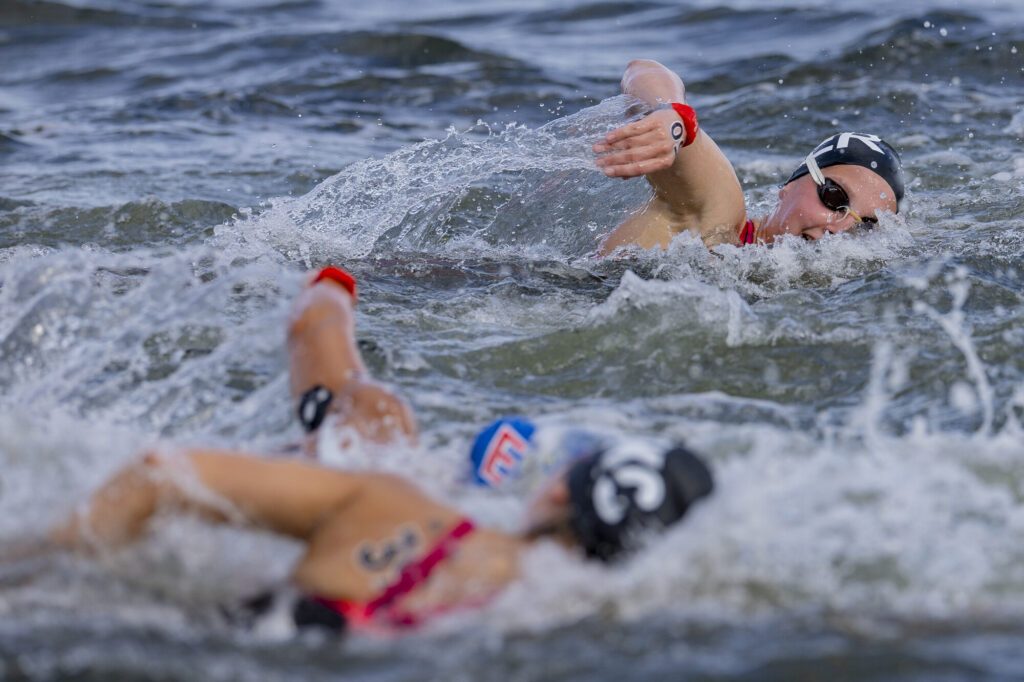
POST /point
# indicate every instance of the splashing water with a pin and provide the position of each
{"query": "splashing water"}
(859, 398)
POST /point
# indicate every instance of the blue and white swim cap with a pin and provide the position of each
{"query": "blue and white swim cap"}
(517, 449)
(499, 450)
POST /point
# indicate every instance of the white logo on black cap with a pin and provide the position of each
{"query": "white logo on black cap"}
(635, 466)
(843, 141)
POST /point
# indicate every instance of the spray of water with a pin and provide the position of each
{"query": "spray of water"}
(188, 344)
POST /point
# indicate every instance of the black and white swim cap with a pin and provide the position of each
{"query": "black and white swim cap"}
(858, 149)
(634, 487)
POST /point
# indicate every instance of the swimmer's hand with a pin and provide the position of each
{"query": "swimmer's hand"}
(26, 549)
(642, 147)
(21, 561)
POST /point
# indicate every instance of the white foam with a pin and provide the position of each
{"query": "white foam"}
(1017, 172)
(1016, 125)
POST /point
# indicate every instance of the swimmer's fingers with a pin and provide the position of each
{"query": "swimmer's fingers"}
(658, 123)
(654, 151)
(642, 140)
(639, 148)
(635, 129)
(631, 155)
(637, 162)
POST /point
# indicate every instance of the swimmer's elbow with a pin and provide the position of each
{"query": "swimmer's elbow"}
(642, 63)
(643, 67)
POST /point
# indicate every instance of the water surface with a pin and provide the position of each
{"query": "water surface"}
(169, 171)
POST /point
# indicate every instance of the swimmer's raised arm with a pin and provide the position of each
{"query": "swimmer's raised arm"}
(285, 496)
(695, 187)
(327, 373)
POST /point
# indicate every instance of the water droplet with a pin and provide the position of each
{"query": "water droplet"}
(927, 24)
(943, 32)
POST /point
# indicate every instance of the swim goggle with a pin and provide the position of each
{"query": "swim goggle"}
(832, 194)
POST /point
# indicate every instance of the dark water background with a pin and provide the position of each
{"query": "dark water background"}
(170, 170)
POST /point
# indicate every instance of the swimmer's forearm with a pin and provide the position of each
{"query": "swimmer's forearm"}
(652, 82)
(321, 340)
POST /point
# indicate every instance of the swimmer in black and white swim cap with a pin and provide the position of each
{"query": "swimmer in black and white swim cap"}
(607, 503)
(377, 546)
(846, 181)
(843, 183)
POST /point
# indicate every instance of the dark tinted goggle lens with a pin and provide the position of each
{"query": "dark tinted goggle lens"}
(833, 196)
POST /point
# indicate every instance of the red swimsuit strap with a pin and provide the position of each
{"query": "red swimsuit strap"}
(747, 233)
(413, 575)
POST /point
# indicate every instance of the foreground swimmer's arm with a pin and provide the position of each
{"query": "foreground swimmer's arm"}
(327, 372)
(695, 188)
(285, 496)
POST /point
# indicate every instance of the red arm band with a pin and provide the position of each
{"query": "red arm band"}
(347, 281)
(689, 117)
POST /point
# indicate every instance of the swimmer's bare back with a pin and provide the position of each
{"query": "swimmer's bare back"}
(359, 529)
(322, 353)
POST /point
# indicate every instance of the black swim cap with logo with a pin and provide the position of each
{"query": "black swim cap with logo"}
(858, 149)
(630, 489)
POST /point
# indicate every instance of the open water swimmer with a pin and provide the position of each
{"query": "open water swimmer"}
(842, 183)
(379, 553)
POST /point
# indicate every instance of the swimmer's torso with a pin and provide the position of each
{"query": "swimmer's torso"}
(361, 549)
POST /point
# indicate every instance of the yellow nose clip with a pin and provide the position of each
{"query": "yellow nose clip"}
(856, 217)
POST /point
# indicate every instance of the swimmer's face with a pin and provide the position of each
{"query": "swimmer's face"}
(801, 213)
(548, 513)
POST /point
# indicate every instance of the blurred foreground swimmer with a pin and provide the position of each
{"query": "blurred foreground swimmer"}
(379, 553)
(844, 182)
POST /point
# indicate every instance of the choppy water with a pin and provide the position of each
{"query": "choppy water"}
(169, 171)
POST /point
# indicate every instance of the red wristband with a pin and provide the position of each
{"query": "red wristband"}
(689, 117)
(347, 281)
